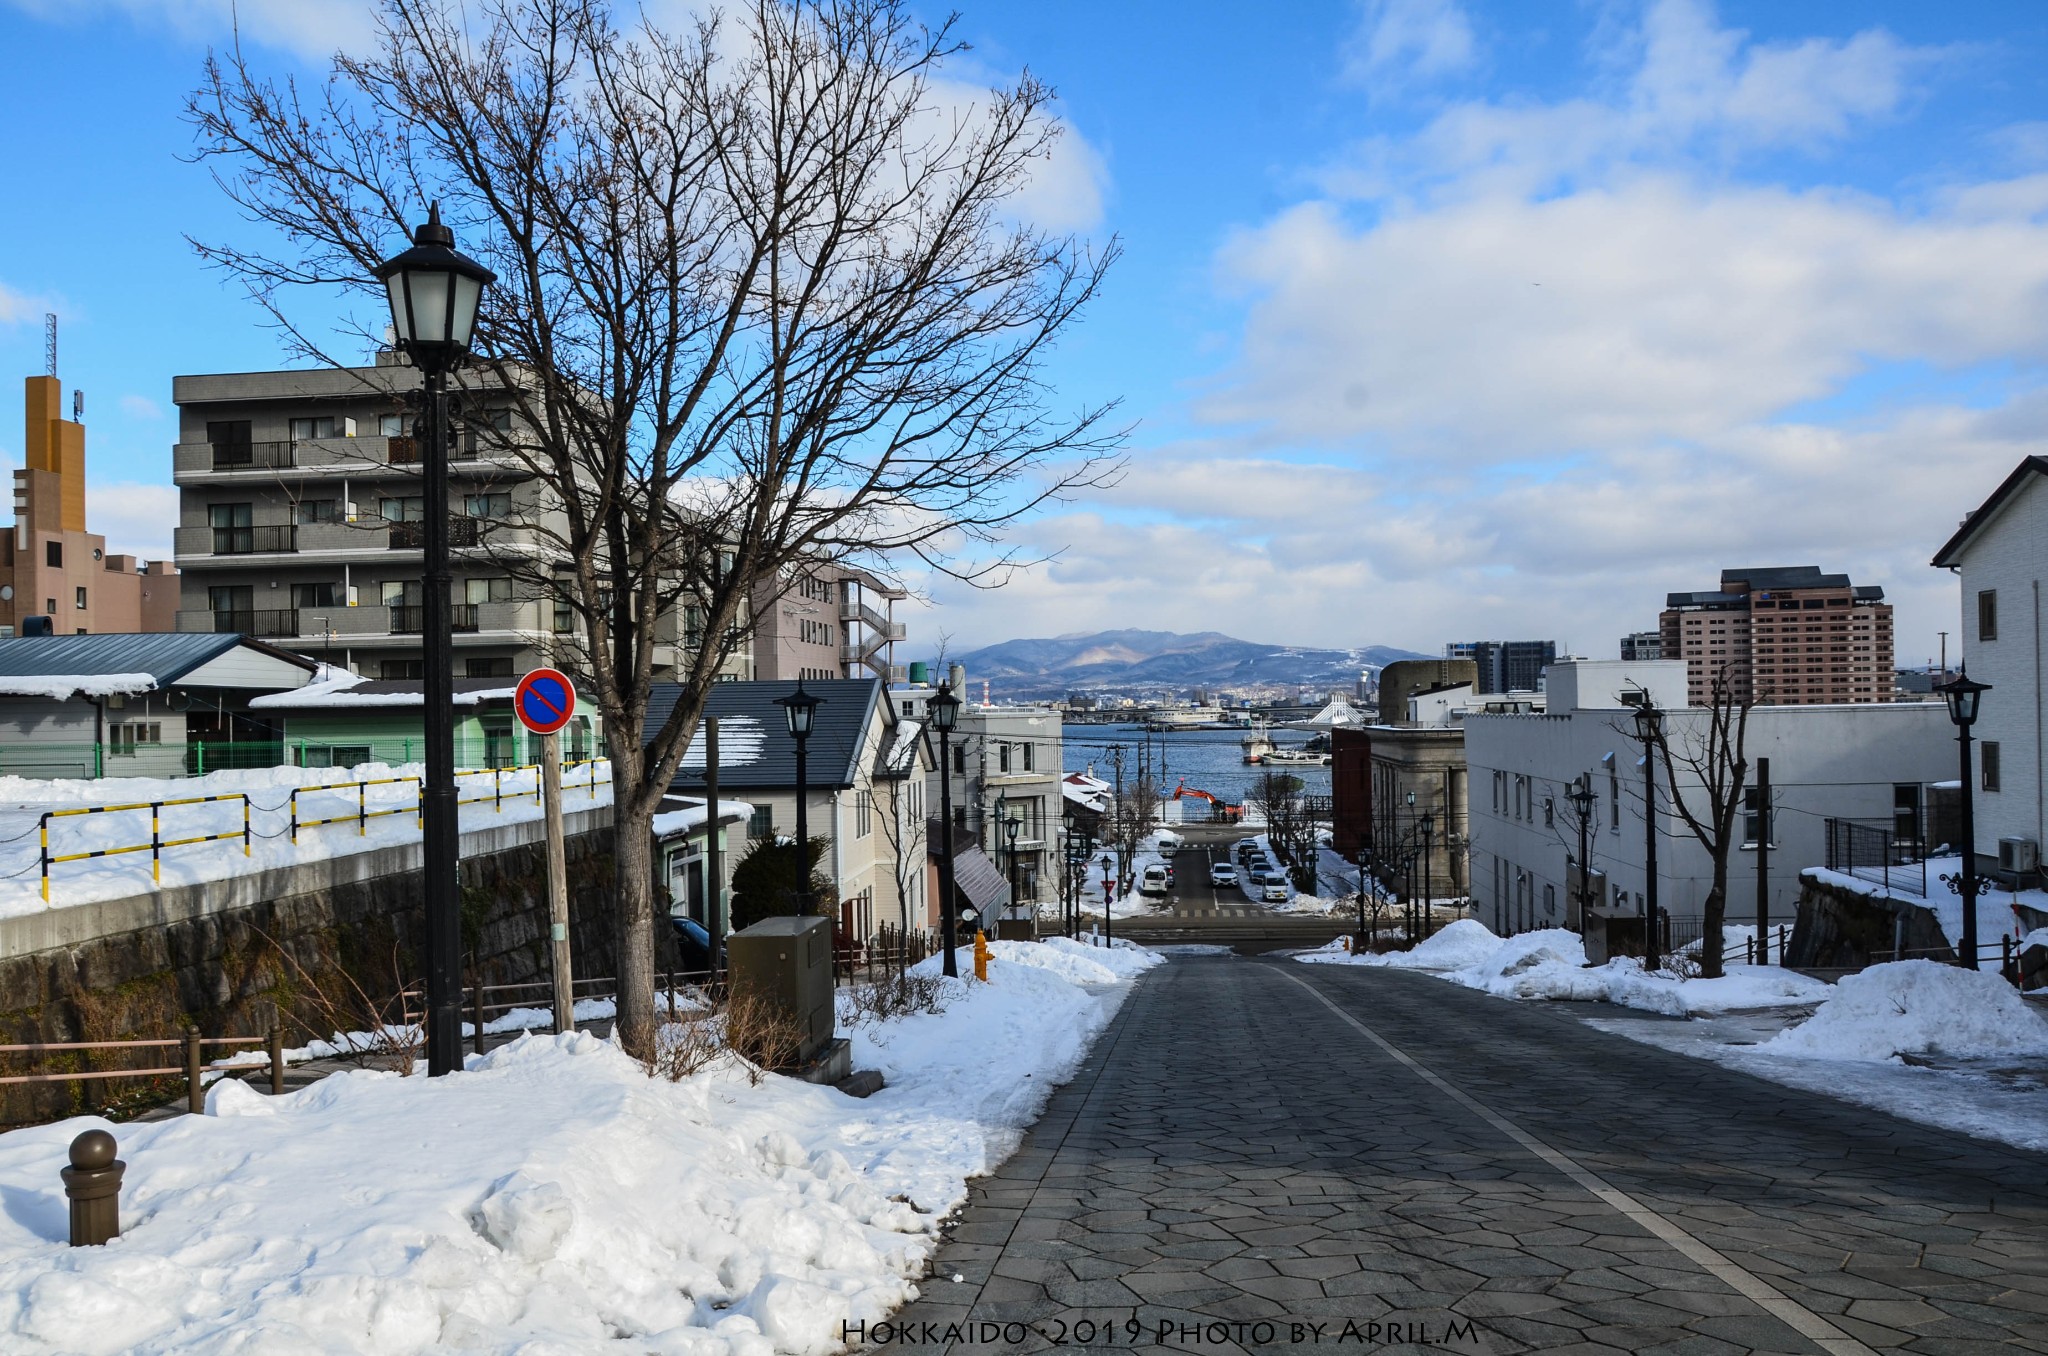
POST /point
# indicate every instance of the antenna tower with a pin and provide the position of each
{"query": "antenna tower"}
(50, 342)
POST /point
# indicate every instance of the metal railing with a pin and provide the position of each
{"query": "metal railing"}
(410, 619)
(1876, 855)
(246, 456)
(259, 622)
(244, 541)
(412, 536)
(363, 813)
(154, 847)
(496, 795)
(195, 1068)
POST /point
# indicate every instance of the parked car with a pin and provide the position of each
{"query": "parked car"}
(1169, 875)
(1223, 873)
(1170, 843)
(1276, 891)
(1154, 880)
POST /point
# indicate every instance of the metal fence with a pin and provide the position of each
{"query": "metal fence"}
(1876, 855)
(509, 748)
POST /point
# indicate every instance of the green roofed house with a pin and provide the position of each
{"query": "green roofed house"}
(346, 720)
(163, 704)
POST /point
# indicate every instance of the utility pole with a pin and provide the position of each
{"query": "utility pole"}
(1763, 860)
(714, 884)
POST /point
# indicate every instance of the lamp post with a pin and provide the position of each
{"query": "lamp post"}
(942, 710)
(1010, 831)
(1428, 888)
(434, 294)
(1364, 864)
(1108, 867)
(1963, 694)
(1649, 725)
(801, 708)
(1582, 798)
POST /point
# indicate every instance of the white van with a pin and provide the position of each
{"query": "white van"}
(1153, 880)
(1170, 843)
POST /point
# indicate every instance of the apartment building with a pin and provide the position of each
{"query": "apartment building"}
(1642, 645)
(830, 621)
(1788, 636)
(300, 521)
(51, 565)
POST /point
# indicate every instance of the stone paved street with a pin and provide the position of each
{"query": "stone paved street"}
(1237, 1151)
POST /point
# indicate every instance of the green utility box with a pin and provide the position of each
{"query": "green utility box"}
(788, 962)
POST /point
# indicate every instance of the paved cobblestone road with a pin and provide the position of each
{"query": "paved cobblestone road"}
(1263, 1141)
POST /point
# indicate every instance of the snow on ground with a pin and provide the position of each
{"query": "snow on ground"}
(1551, 964)
(388, 793)
(1996, 917)
(551, 1198)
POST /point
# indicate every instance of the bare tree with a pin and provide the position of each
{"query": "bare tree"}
(1706, 773)
(1133, 814)
(760, 305)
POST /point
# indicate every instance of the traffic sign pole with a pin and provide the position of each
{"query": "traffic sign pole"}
(558, 881)
(544, 702)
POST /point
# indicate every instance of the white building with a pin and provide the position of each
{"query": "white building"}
(2001, 554)
(1847, 762)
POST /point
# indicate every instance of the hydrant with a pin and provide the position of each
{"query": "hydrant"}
(93, 1182)
(981, 955)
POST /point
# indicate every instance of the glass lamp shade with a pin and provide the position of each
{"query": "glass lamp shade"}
(1011, 829)
(1963, 694)
(800, 707)
(434, 293)
(1428, 825)
(943, 709)
(1649, 720)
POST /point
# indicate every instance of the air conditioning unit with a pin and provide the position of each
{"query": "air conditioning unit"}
(2019, 855)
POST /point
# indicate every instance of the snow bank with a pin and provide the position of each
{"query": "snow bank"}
(1917, 1007)
(57, 687)
(1551, 964)
(552, 1198)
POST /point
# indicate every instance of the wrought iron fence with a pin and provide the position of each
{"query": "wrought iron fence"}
(1876, 855)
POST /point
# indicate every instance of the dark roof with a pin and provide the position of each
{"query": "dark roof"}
(1774, 577)
(165, 656)
(1945, 558)
(974, 875)
(833, 752)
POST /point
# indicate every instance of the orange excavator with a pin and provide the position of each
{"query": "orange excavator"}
(1218, 809)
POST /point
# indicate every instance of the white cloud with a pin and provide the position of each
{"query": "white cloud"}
(18, 308)
(313, 29)
(141, 407)
(135, 518)
(1400, 40)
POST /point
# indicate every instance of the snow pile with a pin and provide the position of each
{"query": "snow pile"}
(1917, 1007)
(1996, 908)
(554, 1197)
(58, 687)
(1125, 960)
(1076, 967)
(1551, 964)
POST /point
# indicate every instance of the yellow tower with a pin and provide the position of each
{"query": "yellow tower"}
(56, 445)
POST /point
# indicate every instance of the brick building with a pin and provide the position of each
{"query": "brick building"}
(1788, 635)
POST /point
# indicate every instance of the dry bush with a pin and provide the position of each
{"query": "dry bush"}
(346, 1016)
(749, 1025)
(898, 995)
(1683, 964)
(683, 1047)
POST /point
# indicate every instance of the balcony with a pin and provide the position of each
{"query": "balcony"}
(413, 536)
(411, 619)
(261, 622)
(251, 456)
(235, 541)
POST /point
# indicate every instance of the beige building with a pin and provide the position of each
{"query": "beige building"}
(832, 621)
(51, 566)
(1789, 636)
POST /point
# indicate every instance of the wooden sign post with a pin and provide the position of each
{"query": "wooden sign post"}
(544, 702)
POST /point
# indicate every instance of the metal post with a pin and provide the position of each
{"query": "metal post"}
(1969, 836)
(1763, 848)
(803, 832)
(476, 1009)
(947, 931)
(558, 883)
(438, 809)
(195, 1090)
(276, 1045)
(93, 1183)
(1650, 959)
(1428, 888)
(714, 878)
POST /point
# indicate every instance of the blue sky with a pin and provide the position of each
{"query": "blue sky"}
(1438, 320)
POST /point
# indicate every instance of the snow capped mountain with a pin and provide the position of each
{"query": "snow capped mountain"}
(1164, 662)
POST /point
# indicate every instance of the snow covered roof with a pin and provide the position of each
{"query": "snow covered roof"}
(1091, 793)
(900, 758)
(124, 663)
(767, 755)
(338, 689)
(680, 814)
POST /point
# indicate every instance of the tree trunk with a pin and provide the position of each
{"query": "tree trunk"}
(632, 851)
(1712, 913)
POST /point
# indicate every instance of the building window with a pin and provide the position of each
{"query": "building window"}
(762, 825)
(1987, 614)
(53, 554)
(393, 426)
(1028, 758)
(1549, 900)
(1987, 764)
(80, 591)
(319, 511)
(863, 813)
(565, 618)
(497, 590)
(1549, 812)
(50, 605)
(122, 738)
(322, 427)
(960, 758)
(1002, 757)
(909, 708)
(1750, 819)
(1613, 796)
(325, 594)
(397, 670)
(500, 667)
(495, 505)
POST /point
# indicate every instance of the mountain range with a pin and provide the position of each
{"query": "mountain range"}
(1164, 662)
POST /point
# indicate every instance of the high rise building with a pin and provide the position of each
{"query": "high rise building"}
(1786, 635)
(831, 621)
(1640, 645)
(1506, 665)
(52, 567)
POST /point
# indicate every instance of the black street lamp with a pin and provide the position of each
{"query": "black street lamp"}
(1649, 726)
(1428, 889)
(942, 710)
(1582, 798)
(1364, 856)
(1107, 860)
(801, 708)
(1010, 831)
(434, 294)
(1963, 694)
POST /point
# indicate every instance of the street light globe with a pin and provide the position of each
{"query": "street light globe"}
(434, 294)
(801, 708)
(943, 708)
(1963, 694)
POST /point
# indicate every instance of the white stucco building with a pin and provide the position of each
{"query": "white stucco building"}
(2001, 554)
(1848, 762)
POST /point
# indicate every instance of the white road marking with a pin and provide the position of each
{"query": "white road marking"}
(1758, 1291)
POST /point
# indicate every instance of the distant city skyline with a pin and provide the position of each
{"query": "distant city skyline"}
(1435, 320)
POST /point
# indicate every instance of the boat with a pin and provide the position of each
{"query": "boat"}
(1257, 744)
(1297, 758)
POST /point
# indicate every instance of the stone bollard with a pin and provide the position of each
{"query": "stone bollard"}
(93, 1182)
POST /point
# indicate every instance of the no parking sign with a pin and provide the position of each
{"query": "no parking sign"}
(544, 701)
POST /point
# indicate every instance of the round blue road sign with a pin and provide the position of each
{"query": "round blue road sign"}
(545, 700)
